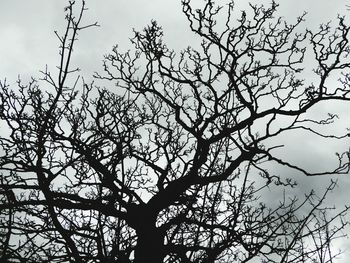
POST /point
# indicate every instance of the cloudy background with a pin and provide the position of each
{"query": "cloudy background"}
(28, 44)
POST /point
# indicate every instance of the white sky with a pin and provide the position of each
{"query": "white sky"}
(28, 43)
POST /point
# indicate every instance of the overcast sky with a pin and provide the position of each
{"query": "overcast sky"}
(28, 43)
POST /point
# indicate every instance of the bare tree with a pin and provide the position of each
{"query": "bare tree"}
(171, 163)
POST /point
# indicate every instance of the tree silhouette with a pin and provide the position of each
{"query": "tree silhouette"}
(171, 163)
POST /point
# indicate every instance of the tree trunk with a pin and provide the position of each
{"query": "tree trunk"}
(150, 242)
(150, 246)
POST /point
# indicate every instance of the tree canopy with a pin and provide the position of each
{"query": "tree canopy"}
(165, 157)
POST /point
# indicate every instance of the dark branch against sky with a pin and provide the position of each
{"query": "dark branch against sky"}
(28, 44)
